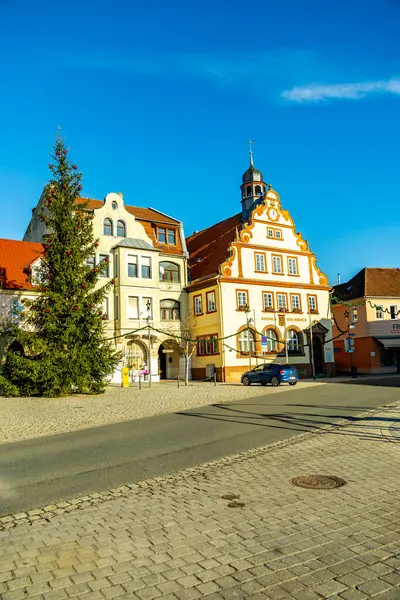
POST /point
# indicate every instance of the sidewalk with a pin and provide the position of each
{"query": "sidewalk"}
(176, 538)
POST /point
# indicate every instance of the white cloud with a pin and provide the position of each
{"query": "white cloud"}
(339, 91)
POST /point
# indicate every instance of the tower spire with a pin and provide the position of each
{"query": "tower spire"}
(251, 142)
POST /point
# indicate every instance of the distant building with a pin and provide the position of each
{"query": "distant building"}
(18, 264)
(254, 268)
(373, 321)
(147, 259)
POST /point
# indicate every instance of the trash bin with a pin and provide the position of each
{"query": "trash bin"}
(354, 372)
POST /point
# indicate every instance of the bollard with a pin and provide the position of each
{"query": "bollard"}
(215, 379)
(178, 381)
(140, 381)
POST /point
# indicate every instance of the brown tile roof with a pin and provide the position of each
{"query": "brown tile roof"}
(15, 258)
(208, 248)
(142, 214)
(371, 281)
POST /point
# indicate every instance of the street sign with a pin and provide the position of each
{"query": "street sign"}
(349, 344)
(264, 343)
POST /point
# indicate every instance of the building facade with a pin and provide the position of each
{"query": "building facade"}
(367, 312)
(254, 281)
(147, 259)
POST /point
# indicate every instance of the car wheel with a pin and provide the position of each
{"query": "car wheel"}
(246, 381)
(292, 382)
(275, 381)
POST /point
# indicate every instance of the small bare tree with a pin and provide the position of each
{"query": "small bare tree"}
(184, 340)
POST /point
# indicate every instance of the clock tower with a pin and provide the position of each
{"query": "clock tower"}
(253, 188)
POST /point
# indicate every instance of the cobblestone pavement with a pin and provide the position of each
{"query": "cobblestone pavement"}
(23, 418)
(176, 538)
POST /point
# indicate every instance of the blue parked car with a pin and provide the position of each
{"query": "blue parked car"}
(271, 373)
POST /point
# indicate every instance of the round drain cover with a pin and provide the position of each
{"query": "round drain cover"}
(318, 482)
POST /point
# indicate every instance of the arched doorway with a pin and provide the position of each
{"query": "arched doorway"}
(318, 356)
(136, 358)
(168, 360)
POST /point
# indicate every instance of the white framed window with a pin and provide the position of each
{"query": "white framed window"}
(292, 266)
(241, 299)
(295, 302)
(116, 307)
(90, 261)
(379, 313)
(198, 305)
(210, 301)
(312, 302)
(246, 341)
(132, 265)
(133, 307)
(145, 267)
(260, 262)
(105, 265)
(169, 310)
(106, 308)
(268, 300)
(393, 311)
(281, 301)
(207, 345)
(147, 307)
(272, 340)
(292, 341)
(277, 264)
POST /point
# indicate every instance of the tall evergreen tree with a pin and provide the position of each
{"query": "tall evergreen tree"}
(63, 335)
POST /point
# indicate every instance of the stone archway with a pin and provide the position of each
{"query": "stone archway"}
(169, 360)
(137, 358)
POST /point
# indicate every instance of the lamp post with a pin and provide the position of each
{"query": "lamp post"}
(148, 307)
(350, 342)
(249, 321)
(312, 348)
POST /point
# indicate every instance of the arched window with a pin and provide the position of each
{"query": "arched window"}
(121, 229)
(249, 191)
(258, 190)
(272, 340)
(169, 310)
(107, 227)
(293, 341)
(246, 341)
(169, 272)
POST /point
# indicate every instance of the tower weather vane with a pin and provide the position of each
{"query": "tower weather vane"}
(251, 142)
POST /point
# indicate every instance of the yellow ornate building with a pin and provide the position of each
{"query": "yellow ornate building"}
(254, 281)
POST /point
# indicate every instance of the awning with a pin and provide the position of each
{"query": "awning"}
(393, 342)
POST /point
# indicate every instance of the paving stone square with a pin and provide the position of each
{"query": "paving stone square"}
(176, 538)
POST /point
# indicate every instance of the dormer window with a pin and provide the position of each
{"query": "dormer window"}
(121, 229)
(114, 205)
(107, 227)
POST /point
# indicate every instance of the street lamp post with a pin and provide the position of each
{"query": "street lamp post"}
(148, 307)
(249, 321)
(350, 343)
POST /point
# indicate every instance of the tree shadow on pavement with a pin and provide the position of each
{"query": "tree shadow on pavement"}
(367, 428)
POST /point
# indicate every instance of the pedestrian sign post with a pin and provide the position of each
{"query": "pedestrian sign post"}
(264, 343)
(349, 344)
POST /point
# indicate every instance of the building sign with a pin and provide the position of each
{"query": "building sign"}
(395, 328)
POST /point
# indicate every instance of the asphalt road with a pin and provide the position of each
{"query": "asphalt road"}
(50, 469)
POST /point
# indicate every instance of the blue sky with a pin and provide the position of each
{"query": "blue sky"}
(158, 100)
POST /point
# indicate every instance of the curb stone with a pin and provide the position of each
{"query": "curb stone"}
(46, 513)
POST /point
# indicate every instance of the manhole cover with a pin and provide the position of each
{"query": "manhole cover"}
(318, 482)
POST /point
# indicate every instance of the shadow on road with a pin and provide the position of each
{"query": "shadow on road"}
(368, 428)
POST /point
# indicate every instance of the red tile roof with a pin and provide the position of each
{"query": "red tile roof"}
(15, 258)
(142, 214)
(208, 248)
(371, 281)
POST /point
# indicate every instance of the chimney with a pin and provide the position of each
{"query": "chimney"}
(338, 278)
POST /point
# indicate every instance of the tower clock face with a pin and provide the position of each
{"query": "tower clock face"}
(273, 214)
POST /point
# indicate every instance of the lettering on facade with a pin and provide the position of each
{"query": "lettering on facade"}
(396, 327)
